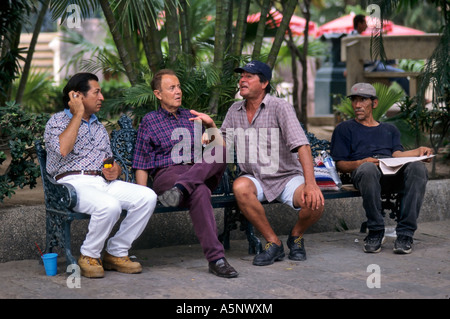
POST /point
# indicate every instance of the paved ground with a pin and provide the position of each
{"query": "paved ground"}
(336, 268)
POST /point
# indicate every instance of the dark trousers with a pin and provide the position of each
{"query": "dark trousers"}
(199, 179)
(410, 181)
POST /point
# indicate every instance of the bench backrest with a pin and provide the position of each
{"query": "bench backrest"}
(122, 144)
(55, 197)
(123, 141)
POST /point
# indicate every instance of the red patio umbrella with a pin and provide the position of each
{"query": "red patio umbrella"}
(402, 30)
(297, 24)
(344, 24)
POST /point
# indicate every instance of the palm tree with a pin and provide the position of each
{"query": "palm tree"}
(146, 23)
(27, 65)
(12, 15)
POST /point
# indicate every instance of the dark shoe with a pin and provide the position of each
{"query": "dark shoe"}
(403, 244)
(373, 241)
(271, 253)
(171, 198)
(222, 268)
(297, 248)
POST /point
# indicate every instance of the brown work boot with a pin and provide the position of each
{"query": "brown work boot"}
(90, 267)
(121, 264)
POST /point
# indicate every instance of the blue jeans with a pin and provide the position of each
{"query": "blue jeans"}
(410, 182)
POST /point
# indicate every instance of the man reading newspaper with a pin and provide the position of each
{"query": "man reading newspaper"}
(357, 146)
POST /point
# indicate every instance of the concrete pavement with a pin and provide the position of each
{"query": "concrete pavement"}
(336, 268)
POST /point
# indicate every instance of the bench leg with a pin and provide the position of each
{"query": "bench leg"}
(58, 235)
(363, 228)
(67, 245)
(254, 244)
(230, 220)
(389, 201)
(228, 225)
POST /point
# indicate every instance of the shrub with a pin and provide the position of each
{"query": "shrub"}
(20, 129)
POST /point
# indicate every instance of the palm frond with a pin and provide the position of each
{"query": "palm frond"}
(387, 96)
(377, 51)
(137, 14)
(38, 91)
(59, 8)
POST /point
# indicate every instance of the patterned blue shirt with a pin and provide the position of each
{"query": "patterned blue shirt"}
(91, 147)
(164, 140)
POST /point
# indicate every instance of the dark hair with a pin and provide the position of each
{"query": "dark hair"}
(263, 79)
(78, 83)
(359, 18)
(157, 78)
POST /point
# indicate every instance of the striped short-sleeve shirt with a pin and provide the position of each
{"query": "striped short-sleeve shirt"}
(267, 147)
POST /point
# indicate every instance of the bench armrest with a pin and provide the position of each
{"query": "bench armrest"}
(58, 195)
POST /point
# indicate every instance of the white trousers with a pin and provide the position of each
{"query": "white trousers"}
(104, 202)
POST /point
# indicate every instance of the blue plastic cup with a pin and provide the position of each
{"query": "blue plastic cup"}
(50, 263)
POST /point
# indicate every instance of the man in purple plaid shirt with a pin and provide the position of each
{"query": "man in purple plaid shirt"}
(168, 149)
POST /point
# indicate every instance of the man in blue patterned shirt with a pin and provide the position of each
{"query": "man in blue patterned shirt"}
(181, 177)
(77, 145)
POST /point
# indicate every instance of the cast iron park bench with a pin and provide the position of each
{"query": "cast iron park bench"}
(60, 199)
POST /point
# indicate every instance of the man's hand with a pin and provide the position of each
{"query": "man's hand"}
(420, 151)
(425, 151)
(312, 196)
(111, 171)
(212, 133)
(207, 121)
(370, 160)
(350, 166)
(68, 137)
(76, 103)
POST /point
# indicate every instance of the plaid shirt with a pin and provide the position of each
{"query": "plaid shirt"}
(277, 118)
(91, 147)
(160, 140)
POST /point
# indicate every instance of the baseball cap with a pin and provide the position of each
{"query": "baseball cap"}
(256, 67)
(364, 90)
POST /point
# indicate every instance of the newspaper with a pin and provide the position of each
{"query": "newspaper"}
(390, 166)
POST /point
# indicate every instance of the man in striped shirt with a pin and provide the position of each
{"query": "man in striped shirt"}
(275, 159)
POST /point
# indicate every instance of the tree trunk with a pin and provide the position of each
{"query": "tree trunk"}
(265, 9)
(118, 40)
(293, 49)
(185, 28)
(288, 11)
(172, 29)
(128, 40)
(301, 110)
(304, 61)
(14, 46)
(27, 65)
(220, 45)
(151, 41)
(241, 27)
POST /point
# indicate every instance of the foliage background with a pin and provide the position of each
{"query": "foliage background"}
(203, 43)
